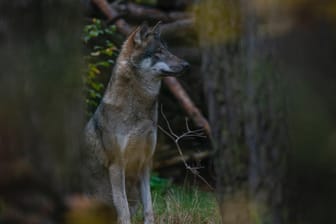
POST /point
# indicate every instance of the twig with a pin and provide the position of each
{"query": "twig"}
(176, 138)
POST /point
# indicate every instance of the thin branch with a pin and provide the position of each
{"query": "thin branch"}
(167, 122)
(187, 124)
(190, 133)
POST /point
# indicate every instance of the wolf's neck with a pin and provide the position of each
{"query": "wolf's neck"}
(125, 87)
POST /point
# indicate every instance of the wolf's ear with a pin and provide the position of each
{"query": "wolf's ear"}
(157, 29)
(141, 33)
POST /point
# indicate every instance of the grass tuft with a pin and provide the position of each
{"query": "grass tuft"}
(179, 205)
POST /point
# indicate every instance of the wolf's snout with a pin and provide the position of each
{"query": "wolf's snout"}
(186, 66)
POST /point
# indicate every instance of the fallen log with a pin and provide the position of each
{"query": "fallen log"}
(141, 12)
(179, 159)
(178, 25)
(187, 104)
(112, 15)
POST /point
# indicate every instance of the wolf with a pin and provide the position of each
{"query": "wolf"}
(121, 136)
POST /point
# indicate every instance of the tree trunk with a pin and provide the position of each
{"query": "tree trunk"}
(41, 113)
(246, 112)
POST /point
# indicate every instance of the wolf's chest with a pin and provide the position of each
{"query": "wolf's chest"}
(138, 144)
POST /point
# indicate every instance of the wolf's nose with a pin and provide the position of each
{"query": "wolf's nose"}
(186, 65)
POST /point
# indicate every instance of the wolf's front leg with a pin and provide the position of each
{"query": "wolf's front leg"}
(117, 178)
(146, 197)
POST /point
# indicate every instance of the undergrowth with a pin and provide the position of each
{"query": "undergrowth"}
(179, 205)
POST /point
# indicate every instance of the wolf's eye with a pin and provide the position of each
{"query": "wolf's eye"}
(156, 57)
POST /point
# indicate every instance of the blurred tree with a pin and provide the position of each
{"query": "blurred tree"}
(41, 113)
(246, 112)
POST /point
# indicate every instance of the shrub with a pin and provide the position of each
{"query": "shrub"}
(100, 55)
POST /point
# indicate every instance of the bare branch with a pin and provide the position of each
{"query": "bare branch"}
(166, 132)
(190, 133)
(168, 124)
(187, 124)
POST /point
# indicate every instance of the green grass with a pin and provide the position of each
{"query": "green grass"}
(175, 205)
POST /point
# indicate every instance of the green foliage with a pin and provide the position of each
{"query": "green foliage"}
(99, 58)
(158, 184)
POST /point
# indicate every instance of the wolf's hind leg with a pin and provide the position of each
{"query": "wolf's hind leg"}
(133, 194)
(117, 178)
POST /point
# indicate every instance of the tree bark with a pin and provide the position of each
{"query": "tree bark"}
(41, 113)
(246, 113)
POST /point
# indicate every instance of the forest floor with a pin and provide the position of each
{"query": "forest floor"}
(179, 205)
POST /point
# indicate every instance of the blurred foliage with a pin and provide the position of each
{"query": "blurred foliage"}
(227, 16)
(100, 59)
(158, 184)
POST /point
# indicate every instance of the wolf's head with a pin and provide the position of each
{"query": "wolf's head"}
(146, 52)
